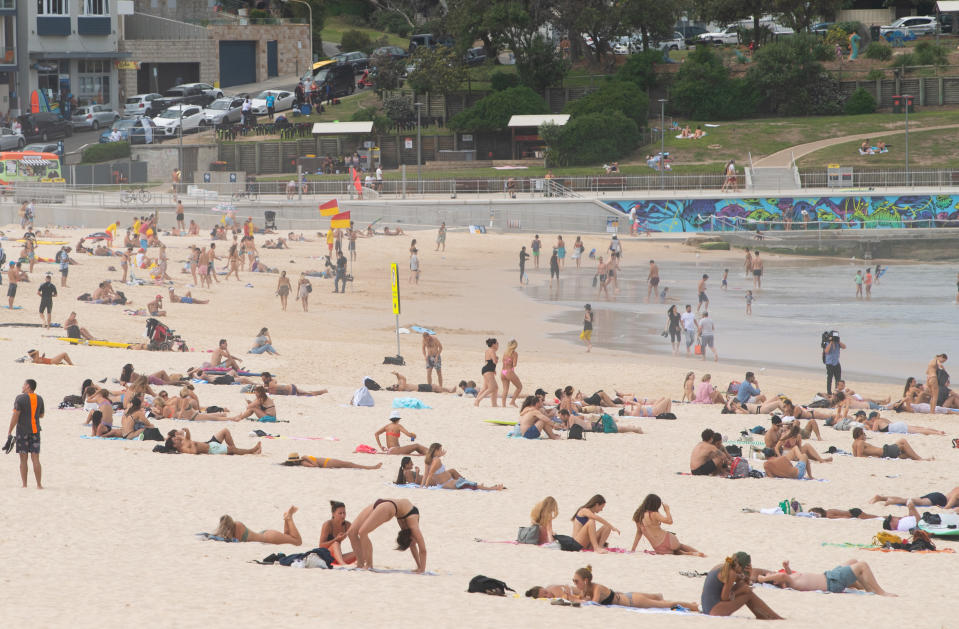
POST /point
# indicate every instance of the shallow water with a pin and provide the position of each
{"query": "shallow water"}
(910, 318)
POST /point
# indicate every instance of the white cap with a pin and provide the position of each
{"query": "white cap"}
(395, 414)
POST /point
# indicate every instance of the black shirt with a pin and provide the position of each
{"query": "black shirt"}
(523, 256)
(30, 407)
(47, 291)
(341, 264)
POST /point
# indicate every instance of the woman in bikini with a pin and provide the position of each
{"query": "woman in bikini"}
(706, 393)
(393, 430)
(791, 446)
(801, 412)
(333, 533)
(188, 408)
(275, 388)
(304, 288)
(689, 386)
(437, 474)
(283, 288)
(219, 443)
(127, 375)
(647, 407)
(408, 474)
(263, 407)
(233, 263)
(324, 462)
(542, 516)
(510, 358)
(586, 590)
(488, 372)
(734, 406)
(380, 512)
(134, 420)
(584, 525)
(649, 524)
(232, 530)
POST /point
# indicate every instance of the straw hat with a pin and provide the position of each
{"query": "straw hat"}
(293, 458)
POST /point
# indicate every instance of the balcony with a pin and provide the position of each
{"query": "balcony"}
(58, 26)
(94, 25)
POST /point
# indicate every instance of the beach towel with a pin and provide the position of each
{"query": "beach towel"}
(644, 610)
(555, 546)
(362, 397)
(210, 537)
(408, 402)
(436, 487)
(365, 449)
(324, 559)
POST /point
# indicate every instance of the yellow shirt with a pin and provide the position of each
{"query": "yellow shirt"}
(329, 237)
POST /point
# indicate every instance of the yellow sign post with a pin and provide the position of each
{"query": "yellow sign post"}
(395, 291)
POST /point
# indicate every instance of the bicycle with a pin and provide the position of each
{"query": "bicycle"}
(136, 194)
(248, 194)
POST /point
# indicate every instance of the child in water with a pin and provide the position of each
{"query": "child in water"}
(725, 284)
(749, 303)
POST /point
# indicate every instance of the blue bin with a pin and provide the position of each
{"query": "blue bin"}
(305, 109)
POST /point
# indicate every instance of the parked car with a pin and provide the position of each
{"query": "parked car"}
(356, 60)
(206, 88)
(182, 94)
(284, 99)
(169, 120)
(131, 130)
(223, 111)
(93, 117)
(307, 77)
(394, 52)
(821, 28)
(429, 40)
(475, 56)
(141, 105)
(728, 36)
(915, 24)
(690, 32)
(339, 76)
(41, 147)
(10, 141)
(44, 125)
(676, 42)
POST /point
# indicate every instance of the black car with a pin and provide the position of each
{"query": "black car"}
(357, 60)
(44, 125)
(182, 94)
(393, 52)
(475, 56)
(340, 76)
(429, 40)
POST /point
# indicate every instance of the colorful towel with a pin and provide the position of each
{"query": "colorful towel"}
(408, 402)
(645, 610)
(210, 537)
(436, 487)
(555, 546)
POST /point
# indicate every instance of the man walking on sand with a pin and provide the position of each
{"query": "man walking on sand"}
(701, 290)
(689, 328)
(47, 292)
(652, 280)
(707, 331)
(14, 275)
(27, 411)
(432, 348)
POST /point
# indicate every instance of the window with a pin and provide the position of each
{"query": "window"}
(96, 7)
(8, 4)
(8, 40)
(53, 7)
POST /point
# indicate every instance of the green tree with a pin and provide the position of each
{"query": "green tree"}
(730, 11)
(621, 96)
(800, 15)
(438, 71)
(356, 40)
(654, 19)
(640, 69)
(399, 109)
(601, 20)
(492, 113)
(539, 66)
(787, 75)
(703, 89)
(860, 102)
(592, 139)
(388, 73)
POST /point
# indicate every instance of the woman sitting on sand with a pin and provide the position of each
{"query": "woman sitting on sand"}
(584, 525)
(407, 474)
(219, 443)
(314, 461)
(377, 514)
(728, 587)
(393, 430)
(263, 343)
(437, 474)
(41, 359)
(586, 590)
(853, 574)
(689, 386)
(234, 531)
(488, 372)
(647, 407)
(262, 406)
(898, 450)
(542, 516)
(706, 393)
(649, 525)
(333, 533)
(134, 420)
(275, 388)
(791, 446)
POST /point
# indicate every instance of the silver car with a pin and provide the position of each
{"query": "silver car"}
(10, 141)
(223, 111)
(93, 117)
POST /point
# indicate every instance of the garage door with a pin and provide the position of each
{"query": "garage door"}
(237, 62)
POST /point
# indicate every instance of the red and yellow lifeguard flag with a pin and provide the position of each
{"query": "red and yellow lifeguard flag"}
(340, 221)
(330, 208)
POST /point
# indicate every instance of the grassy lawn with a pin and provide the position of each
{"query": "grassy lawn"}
(335, 26)
(929, 149)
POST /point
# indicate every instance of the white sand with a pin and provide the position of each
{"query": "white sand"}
(109, 541)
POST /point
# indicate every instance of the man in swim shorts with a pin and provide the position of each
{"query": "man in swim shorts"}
(706, 459)
(852, 574)
(432, 350)
(652, 280)
(701, 290)
(757, 271)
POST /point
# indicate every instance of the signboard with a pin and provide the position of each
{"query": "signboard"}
(612, 225)
(395, 288)
(408, 143)
(127, 65)
(467, 137)
(838, 176)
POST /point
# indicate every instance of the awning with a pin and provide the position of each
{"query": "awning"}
(342, 128)
(950, 6)
(534, 121)
(34, 161)
(80, 54)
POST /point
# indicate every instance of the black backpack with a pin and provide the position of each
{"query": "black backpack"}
(481, 584)
(575, 432)
(371, 384)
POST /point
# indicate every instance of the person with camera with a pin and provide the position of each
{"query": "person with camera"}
(830, 357)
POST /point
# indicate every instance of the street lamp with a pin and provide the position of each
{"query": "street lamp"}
(662, 143)
(179, 157)
(419, 150)
(310, 9)
(907, 99)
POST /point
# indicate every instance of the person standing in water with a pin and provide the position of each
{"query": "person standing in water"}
(441, 237)
(554, 268)
(535, 247)
(858, 282)
(749, 263)
(703, 298)
(749, 303)
(587, 333)
(652, 280)
(757, 271)
(724, 286)
(523, 257)
(868, 283)
(707, 331)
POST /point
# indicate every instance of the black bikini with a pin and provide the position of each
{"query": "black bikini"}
(489, 367)
(413, 511)
(609, 599)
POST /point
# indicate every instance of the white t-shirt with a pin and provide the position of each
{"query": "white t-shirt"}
(689, 321)
(706, 326)
(379, 174)
(906, 524)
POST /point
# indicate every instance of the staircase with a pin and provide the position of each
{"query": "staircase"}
(774, 178)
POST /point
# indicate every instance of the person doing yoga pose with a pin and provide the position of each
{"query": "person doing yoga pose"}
(375, 515)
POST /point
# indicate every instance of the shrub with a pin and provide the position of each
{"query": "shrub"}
(878, 50)
(622, 96)
(105, 152)
(836, 35)
(438, 71)
(904, 61)
(860, 102)
(364, 114)
(493, 112)
(703, 89)
(929, 54)
(875, 75)
(391, 22)
(539, 66)
(356, 40)
(640, 69)
(787, 76)
(399, 109)
(500, 80)
(593, 138)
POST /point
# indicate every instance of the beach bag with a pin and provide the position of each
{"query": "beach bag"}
(819, 402)
(528, 534)
(152, 434)
(481, 584)
(698, 349)
(371, 384)
(883, 538)
(733, 387)
(567, 543)
(739, 468)
(734, 450)
(595, 280)
(362, 397)
(71, 400)
(575, 432)
(609, 424)
(666, 416)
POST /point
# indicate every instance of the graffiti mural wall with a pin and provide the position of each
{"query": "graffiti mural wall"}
(852, 212)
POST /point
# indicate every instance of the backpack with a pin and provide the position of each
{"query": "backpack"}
(734, 450)
(371, 384)
(567, 543)
(528, 534)
(733, 387)
(666, 416)
(739, 468)
(481, 584)
(575, 432)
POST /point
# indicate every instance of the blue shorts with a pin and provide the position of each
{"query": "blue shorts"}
(532, 433)
(801, 466)
(839, 578)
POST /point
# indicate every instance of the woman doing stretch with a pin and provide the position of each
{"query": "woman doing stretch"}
(489, 373)
(542, 516)
(649, 524)
(238, 532)
(586, 590)
(727, 588)
(333, 533)
(373, 516)
(319, 461)
(584, 525)
(508, 374)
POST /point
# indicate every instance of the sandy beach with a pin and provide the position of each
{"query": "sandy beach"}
(111, 541)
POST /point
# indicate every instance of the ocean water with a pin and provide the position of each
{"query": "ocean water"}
(912, 315)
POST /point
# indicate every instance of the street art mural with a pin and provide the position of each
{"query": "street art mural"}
(853, 212)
